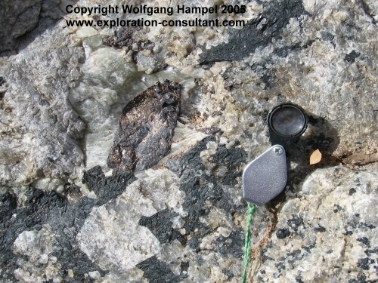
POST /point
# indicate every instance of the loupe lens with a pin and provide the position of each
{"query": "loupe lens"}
(287, 120)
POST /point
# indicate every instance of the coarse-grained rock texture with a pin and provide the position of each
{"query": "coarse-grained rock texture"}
(67, 217)
(326, 230)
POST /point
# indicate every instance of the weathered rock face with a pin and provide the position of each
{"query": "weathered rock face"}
(40, 130)
(19, 20)
(16, 18)
(67, 217)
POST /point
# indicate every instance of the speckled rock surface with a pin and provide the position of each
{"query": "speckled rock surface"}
(326, 231)
(67, 217)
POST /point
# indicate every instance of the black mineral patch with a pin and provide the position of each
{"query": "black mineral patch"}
(94, 178)
(327, 36)
(157, 271)
(190, 162)
(367, 225)
(371, 251)
(264, 257)
(298, 279)
(352, 191)
(44, 208)
(295, 255)
(106, 188)
(336, 208)
(364, 240)
(121, 38)
(361, 278)
(230, 158)
(351, 57)
(2, 81)
(161, 226)
(204, 191)
(228, 273)
(280, 265)
(282, 233)
(258, 32)
(322, 142)
(295, 222)
(266, 75)
(211, 130)
(200, 232)
(230, 244)
(286, 50)
(184, 266)
(320, 229)
(64, 213)
(308, 248)
(146, 127)
(364, 263)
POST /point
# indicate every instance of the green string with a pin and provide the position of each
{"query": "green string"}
(247, 241)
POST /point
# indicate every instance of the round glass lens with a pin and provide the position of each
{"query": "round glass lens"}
(288, 121)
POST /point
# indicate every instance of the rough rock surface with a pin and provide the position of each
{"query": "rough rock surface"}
(326, 231)
(67, 217)
(40, 130)
(16, 18)
(38, 229)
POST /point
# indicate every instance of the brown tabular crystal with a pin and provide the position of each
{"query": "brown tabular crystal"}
(146, 128)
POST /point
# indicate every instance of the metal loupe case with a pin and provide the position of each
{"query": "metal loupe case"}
(287, 122)
(266, 176)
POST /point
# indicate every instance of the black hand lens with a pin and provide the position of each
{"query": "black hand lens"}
(287, 122)
(266, 176)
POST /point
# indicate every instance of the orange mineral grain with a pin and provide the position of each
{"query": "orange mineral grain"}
(315, 157)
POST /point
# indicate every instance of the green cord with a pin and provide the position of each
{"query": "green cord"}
(247, 241)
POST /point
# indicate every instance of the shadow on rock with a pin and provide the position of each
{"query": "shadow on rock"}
(319, 135)
(22, 21)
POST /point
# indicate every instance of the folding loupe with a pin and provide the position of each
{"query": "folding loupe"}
(266, 176)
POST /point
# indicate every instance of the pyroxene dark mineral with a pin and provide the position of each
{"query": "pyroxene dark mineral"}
(146, 128)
